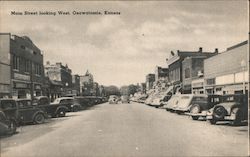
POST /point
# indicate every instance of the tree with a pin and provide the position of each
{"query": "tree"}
(111, 90)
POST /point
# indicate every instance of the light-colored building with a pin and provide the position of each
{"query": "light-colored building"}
(228, 72)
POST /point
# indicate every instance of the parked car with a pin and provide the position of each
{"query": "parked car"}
(54, 110)
(202, 105)
(149, 100)
(125, 99)
(68, 102)
(190, 101)
(159, 100)
(233, 107)
(28, 113)
(8, 117)
(171, 104)
(113, 99)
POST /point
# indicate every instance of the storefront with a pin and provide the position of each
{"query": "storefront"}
(21, 89)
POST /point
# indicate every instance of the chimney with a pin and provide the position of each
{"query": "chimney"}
(216, 50)
(200, 49)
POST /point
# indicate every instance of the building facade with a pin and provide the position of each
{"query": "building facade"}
(26, 66)
(176, 69)
(76, 84)
(150, 79)
(232, 76)
(161, 78)
(193, 68)
(5, 65)
(87, 84)
(60, 79)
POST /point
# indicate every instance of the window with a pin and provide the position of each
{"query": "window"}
(16, 62)
(187, 73)
(38, 69)
(27, 65)
(211, 81)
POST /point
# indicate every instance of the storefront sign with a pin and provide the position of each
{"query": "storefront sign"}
(21, 85)
(21, 77)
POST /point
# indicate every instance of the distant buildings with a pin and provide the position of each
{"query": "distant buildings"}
(150, 78)
(87, 84)
(60, 79)
(21, 63)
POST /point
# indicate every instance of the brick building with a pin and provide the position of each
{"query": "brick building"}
(232, 76)
(176, 69)
(24, 66)
(193, 68)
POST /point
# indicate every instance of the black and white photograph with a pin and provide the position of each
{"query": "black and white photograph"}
(114, 78)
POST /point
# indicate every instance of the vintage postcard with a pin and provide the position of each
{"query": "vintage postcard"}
(124, 78)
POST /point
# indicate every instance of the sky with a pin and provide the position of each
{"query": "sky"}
(122, 49)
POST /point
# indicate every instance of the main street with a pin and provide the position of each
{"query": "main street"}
(125, 130)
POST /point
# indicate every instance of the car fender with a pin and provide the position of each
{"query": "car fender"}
(62, 107)
(39, 112)
(228, 106)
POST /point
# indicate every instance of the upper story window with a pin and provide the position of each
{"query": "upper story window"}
(16, 62)
(27, 66)
(38, 69)
(187, 73)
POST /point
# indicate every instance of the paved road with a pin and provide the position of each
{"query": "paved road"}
(125, 130)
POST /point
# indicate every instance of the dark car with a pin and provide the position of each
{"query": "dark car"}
(84, 101)
(28, 113)
(8, 116)
(233, 107)
(54, 110)
(201, 105)
(68, 102)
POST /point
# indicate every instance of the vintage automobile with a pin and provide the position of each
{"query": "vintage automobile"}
(113, 99)
(8, 117)
(28, 113)
(233, 108)
(68, 102)
(149, 100)
(171, 104)
(202, 105)
(189, 101)
(54, 110)
(125, 99)
(159, 100)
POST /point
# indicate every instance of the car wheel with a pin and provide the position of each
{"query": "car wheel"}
(238, 118)
(75, 109)
(212, 121)
(61, 113)
(219, 112)
(12, 127)
(39, 119)
(195, 109)
(195, 117)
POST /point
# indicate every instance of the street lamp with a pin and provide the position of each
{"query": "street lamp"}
(243, 65)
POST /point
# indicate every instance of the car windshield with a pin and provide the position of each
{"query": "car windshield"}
(24, 103)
